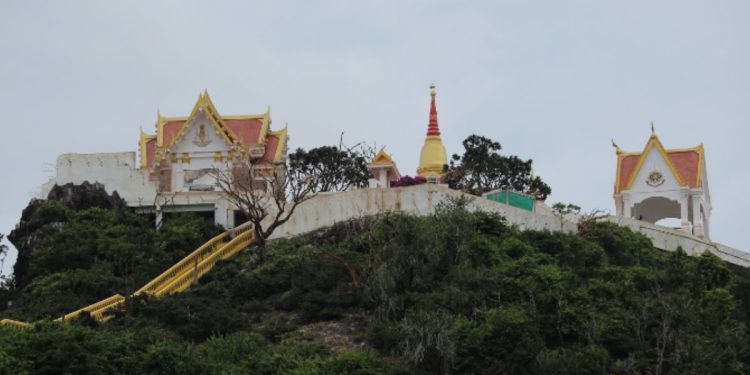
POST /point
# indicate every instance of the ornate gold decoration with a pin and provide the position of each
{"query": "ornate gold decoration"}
(655, 179)
(201, 139)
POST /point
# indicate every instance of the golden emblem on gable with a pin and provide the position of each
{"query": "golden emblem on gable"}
(655, 179)
(201, 139)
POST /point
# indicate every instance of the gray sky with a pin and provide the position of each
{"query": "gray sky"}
(551, 80)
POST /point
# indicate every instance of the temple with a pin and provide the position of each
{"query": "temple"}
(659, 183)
(433, 158)
(178, 163)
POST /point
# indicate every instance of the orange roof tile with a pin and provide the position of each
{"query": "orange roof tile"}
(150, 151)
(686, 163)
(171, 129)
(272, 143)
(249, 130)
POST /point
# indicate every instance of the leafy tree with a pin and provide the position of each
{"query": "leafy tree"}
(482, 168)
(6, 282)
(336, 168)
(563, 209)
(3, 253)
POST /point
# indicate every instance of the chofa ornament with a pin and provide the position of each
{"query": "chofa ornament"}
(655, 179)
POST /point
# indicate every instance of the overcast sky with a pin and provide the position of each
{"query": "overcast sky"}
(553, 81)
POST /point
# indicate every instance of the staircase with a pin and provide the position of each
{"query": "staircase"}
(175, 279)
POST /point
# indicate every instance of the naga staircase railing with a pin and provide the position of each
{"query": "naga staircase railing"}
(175, 279)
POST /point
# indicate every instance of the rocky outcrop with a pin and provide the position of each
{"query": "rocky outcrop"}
(85, 195)
(40, 219)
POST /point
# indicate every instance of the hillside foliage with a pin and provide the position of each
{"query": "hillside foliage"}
(455, 292)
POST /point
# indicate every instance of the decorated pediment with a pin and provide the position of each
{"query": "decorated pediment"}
(200, 135)
(206, 131)
(657, 166)
(655, 172)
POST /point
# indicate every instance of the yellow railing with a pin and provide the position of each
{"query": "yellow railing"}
(174, 280)
(14, 323)
(184, 264)
(99, 307)
(185, 279)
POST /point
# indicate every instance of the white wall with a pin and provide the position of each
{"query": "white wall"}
(328, 209)
(116, 171)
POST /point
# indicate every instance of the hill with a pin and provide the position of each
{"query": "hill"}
(455, 292)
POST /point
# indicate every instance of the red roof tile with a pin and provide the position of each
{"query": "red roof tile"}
(170, 130)
(247, 129)
(626, 169)
(686, 162)
(272, 143)
(687, 165)
(150, 151)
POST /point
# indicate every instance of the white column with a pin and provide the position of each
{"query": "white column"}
(383, 177)
(626, 205)
(178, 177)
(221, 214)
(706, 228)
(697, 217)
(618, 204)
(684, 201)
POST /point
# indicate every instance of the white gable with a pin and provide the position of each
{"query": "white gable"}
(655, 163)
(200, 137)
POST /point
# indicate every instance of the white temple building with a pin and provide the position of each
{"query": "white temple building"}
(175, 171)
(659, 183)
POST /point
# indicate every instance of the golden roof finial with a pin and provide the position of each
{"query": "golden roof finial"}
(619, 150)
(653, 130)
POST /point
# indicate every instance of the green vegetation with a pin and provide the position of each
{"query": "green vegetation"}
(482, 168)
(456, 292)
(337, 168)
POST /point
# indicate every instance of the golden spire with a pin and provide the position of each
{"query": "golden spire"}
(433, 157)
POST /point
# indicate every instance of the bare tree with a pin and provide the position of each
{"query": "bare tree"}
(587, 219)
(268, 194)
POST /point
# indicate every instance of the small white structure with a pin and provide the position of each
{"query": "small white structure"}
(658, 183)
(383, 169)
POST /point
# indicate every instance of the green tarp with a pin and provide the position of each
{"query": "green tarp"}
(514, 199)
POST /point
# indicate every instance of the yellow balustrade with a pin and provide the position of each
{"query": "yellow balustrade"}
(14, 323)
(104, 304)
(186, 262)
(185, 279)
(174, 280)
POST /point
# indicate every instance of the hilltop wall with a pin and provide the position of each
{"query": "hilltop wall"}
(670, 239)
(330, 208)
